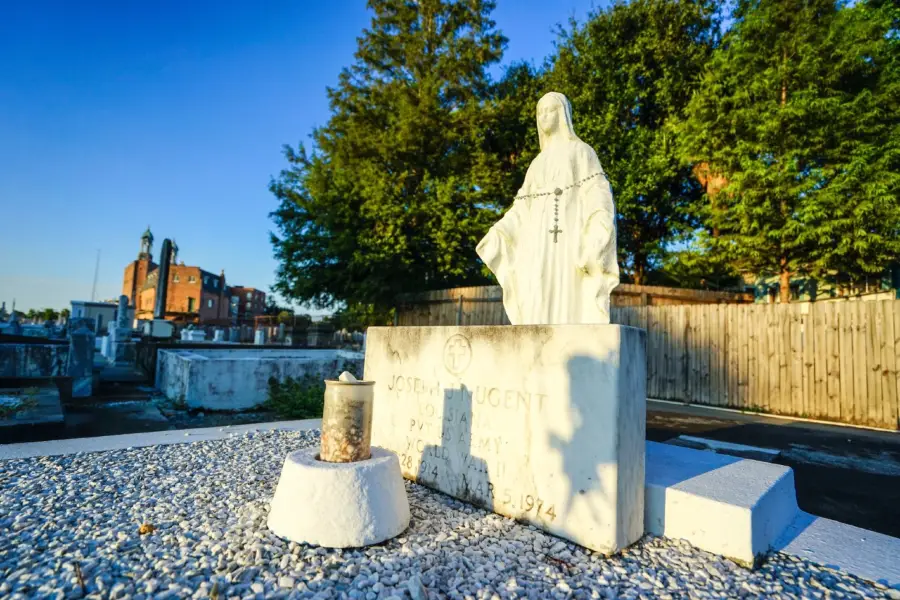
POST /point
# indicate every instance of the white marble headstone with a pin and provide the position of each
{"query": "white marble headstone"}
(539, 423)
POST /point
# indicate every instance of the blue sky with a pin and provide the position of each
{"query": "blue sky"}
(119, 115)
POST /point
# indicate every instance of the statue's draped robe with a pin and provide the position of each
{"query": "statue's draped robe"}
(568, 281)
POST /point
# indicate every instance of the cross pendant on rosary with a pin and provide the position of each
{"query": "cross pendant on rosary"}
(556, 230)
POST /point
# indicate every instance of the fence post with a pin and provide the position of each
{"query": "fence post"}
(459, 311)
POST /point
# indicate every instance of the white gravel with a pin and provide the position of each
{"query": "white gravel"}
(208, 503)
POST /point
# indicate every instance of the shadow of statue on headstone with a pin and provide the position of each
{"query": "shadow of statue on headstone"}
(584, 477)
(451, 466)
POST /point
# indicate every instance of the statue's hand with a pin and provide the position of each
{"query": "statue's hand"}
(584, 264)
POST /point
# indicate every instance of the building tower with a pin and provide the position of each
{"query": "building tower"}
(174, 254)
(146, 245)
(137, 270)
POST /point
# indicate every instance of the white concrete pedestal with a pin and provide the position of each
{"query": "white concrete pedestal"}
(725, 505)
(339, 505)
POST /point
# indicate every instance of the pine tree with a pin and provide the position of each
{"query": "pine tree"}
(400, 182)
(795, 114)
(629, 71)
(860, 200)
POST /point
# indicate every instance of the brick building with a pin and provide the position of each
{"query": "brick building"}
(249, 302)
(194, 295)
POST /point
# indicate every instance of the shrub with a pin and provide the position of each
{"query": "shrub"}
(18, 402)
(296, 398)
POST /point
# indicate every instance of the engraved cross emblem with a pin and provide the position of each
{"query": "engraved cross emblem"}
(457, 354)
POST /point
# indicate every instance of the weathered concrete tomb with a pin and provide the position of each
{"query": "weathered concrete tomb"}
(238, 379)
(34, 359)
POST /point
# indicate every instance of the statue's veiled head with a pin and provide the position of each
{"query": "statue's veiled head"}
(554, 118)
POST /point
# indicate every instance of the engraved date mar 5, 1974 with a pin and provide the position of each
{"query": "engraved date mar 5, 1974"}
(527, 503)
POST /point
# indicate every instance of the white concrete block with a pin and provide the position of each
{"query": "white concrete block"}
(722, 504)
(238, 379)
(540, 423)
(339, 505)
(866, 554)
(159, 328)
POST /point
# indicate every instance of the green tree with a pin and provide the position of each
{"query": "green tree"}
(48, 314)
(698, 265)
(797, 112)
(65, 313)
(860, 196)
(392, 196)
(273, 309)
(302, 321)
(360, 316)
(510, 143)
(628, 72)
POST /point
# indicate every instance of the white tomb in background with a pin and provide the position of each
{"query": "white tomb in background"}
(238, 379)
(193, 335)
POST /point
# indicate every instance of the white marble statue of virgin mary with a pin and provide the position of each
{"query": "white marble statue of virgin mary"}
(554, 251)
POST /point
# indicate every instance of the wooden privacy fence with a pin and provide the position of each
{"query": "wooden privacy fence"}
(835, 361)
(483, 305)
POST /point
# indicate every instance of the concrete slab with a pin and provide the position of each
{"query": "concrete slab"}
(730, 506)
(140, 440)
(848, 474)
(740, 450)
(137, 410)
(860, 552)
(26, 408)
(121, 374)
